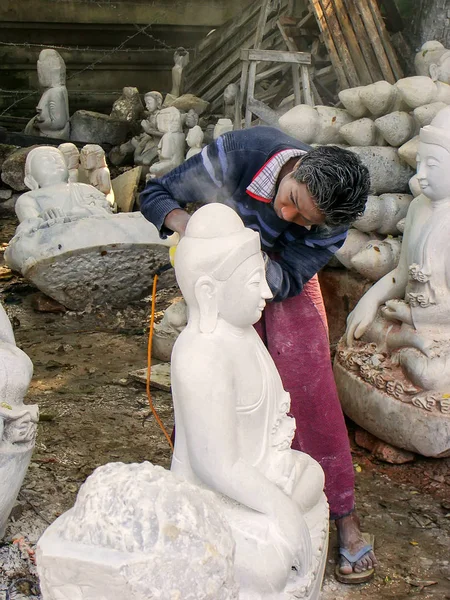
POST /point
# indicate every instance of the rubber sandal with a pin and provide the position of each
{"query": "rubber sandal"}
(364, 576)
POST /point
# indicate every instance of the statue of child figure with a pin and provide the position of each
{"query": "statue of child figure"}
(233, 435)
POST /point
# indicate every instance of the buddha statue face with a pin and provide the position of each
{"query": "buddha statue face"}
(71, 154)
(220, 269)
(45, 166)
(194, 137)
(92, 156)
(243, 296)
(441, 70)
(153, 101)
(169, 120)
(51, 68)
(191, 119)
(433, 158)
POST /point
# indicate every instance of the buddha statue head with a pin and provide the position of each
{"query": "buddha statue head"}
(153, 101)
(169, 120)
(440, 71)
(433, 158)
(429, 54)
(45, 166)
(51, 68)
(220, 270)
(71, 154)
(194, 137)
(92, 156)
(191, 118)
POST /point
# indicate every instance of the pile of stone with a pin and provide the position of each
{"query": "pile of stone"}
(380, 122)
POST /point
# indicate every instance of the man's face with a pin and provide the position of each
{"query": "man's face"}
(295, 204)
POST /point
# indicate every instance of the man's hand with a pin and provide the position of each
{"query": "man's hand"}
(177, 220)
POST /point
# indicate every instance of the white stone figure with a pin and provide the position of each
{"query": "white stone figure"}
(72, 158)
(18, 421)
(394, 380)
(194, 140)
(428, 55)
(319, 124)
(71, 246)
(172, 144)
(230, 97)
(181, 59)
(146, 144)
(377, 258)
(168, 329)
(382, 213)
(52, 119)
(129, 106)
(190, 119)
(137, 532)
(233, 435)
(222, 126)
(93, 161)
(355, 241)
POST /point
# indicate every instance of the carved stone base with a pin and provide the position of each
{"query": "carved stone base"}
(13, 467)
(374, 394)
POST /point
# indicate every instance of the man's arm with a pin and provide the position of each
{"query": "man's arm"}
(199, 179)
(289, 271)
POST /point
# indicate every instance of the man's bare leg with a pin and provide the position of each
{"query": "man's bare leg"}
(350, 538)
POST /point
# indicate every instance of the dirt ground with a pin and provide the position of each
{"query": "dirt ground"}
(92, 413)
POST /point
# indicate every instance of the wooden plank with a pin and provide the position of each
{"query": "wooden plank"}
(306, 20)
(306, 85)
(390, 52)
(250, 93)
(377, 46)
(364, 42)
(269, 72)
(301, 58)
(352, 43)
(262, 111)
(296, 85)
(340, 42)
(329, 43)
(317, 97)
(242, 88)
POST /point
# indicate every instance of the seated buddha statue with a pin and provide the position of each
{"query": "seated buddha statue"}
(233, 435)
(404, 319)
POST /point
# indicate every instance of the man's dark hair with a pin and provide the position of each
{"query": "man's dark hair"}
(338, 182)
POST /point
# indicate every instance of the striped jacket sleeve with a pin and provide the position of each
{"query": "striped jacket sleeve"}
(291, 268)
(199, 179)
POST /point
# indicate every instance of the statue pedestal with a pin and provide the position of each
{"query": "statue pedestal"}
(14, 463)
(404, 416)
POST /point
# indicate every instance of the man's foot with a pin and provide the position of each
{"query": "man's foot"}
(351, 539)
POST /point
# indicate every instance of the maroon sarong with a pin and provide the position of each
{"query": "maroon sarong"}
(295, 332)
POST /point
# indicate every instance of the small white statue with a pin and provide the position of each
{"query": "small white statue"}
(181, 59)
(191, 119)
(233, 435)
(172, 143)
(222, 126)
(401, 365)
(428, 55)
(93, 161)
(441, 70)
(72, 157)
(18, 421)
(52, 119)
(194, 140)
(145, 145)
(71, 245)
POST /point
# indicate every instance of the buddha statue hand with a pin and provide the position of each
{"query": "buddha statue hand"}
(397, 310)
(361, 318)
(294, 537)
(52, 213)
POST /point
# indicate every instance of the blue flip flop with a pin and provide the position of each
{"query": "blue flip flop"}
(364, 576)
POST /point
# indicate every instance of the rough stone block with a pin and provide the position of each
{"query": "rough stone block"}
(97, 128)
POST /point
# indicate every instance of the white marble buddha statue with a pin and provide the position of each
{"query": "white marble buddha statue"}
(404, 319)
(52, 119)
(17, 420)
(194, 140)
(52, 196)
(71, 245)
(233, 435)
(93, 161)
(72, 157)
(172, 144)
(146, 144)
(181, 59)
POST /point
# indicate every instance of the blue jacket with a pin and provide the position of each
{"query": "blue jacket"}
(221, 173)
